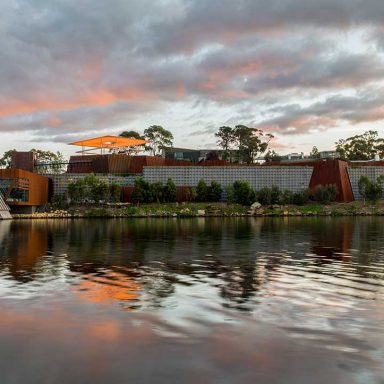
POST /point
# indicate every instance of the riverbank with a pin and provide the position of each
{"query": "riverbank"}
(209, 210)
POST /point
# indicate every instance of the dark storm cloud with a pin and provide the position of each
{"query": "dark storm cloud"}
(68, 66)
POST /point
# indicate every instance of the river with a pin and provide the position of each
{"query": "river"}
(200, 300)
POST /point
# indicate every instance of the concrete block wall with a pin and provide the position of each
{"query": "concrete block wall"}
(294, 178)
(355, 172)
(60, 182)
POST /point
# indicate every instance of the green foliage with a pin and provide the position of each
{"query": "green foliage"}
(361, 147)
(5, 160)
(76, 191)
(145, 192)
(250, 142)
(142, 191)
(92, 189)
(170, 191)
(301, 197)
(47, 161)
(287, 197)
(264, 196)
(314, 154)
(214, 191)
(202, 191)
(272, 155)
(226, 139)
(191, 194)
(326, 193)
(158, 138)
(131, 135)
(114, 192)
(242, 193)
(371, 190)
(59, 201)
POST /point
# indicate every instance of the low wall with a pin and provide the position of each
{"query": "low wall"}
(355, 172)
(60, 182)
(294, 178)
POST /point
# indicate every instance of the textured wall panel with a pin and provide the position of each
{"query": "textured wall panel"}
(355, 172)
(293, 178)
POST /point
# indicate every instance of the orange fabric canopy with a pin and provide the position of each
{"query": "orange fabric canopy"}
(109, 142)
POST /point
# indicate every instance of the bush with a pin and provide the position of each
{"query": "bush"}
(190, 194)
(59, 201)
(242, 193)
(157, 192)
(169, 191)
(287, 197)
(371, 190)
(202, 191)
(264, 196)
(76, 191)
(326, 193)
(214, 191)
(301, 197)
(114, 193)
(142, 192)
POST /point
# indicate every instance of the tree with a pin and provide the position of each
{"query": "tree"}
(371, 190)
(49, 162)
(251, 142)
(5, 160)
(46, 161)
(226, 138)
(132, 135)
(272, 155)
(361, 147)
(314, 154)
(158, 138)
(202, 191)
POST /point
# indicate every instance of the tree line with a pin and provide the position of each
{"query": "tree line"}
(240, 143)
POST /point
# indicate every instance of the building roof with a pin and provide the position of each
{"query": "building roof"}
(108, 142)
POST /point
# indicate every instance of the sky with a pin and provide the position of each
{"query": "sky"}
(308, 71)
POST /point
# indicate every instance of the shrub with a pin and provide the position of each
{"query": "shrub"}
(264, 196)
(202, 191)
(326, 193)
(157, 192)
(76, 191)
(301, 197)
(59, 201)
(190, 194)
(99, 191)
(169, 191)
(114, 192)
(287, 197)
(214, 191)
(371, 190)
(141, 192)
(243, 193)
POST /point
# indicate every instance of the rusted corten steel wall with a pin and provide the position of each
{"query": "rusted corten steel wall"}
(23, 160)
(117, 163)
(37, 186)
(326, 172)
(182, 194)
(333, 172)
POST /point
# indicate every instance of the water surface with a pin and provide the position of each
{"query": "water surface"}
(287, 300)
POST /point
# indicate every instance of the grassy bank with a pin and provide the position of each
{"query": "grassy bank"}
(210, 210)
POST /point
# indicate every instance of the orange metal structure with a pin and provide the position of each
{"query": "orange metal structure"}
(109, 142)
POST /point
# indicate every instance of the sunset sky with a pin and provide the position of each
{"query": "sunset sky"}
(309, 71)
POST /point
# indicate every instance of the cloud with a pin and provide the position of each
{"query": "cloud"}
(72, 68)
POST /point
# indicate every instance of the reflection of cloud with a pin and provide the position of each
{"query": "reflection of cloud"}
(108, 286)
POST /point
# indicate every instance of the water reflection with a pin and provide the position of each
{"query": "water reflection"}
(223, 295)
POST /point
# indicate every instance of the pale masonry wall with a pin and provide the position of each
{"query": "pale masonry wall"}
(355, 172)
(293, 178)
